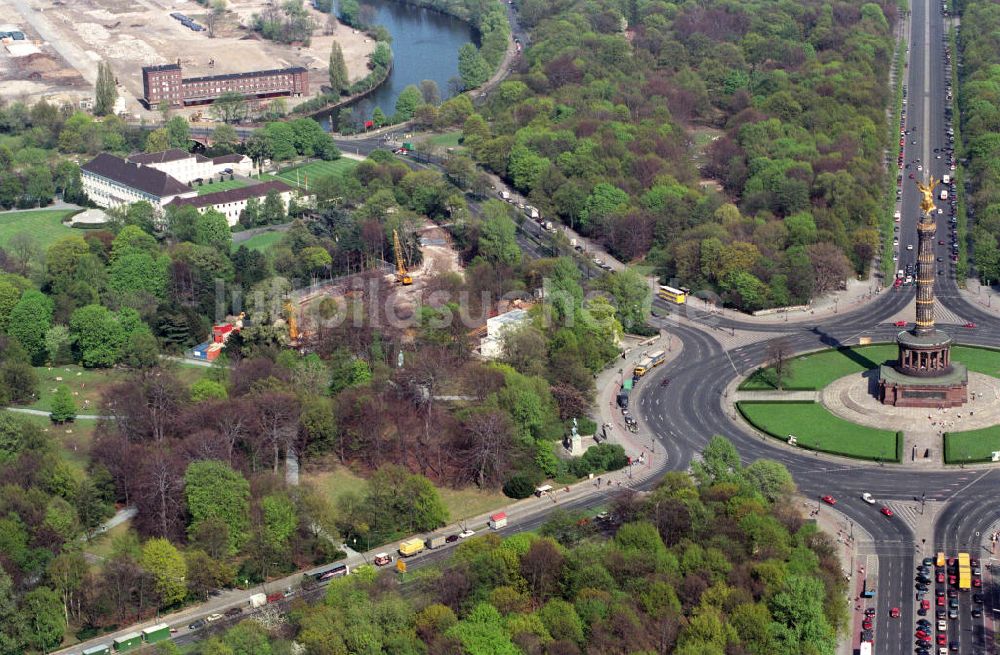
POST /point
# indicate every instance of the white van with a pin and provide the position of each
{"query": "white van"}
(944, 194)
(896, 216)
(542, 490)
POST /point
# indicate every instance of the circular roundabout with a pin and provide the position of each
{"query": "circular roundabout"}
(829, 401)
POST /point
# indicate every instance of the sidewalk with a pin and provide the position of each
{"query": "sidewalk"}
(855, 547)
(609, 381)
(984, 297)
(858, 293)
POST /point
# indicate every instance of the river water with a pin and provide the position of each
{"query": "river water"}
(425, 47)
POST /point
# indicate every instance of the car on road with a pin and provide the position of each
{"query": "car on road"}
(900, 323)
(977, 599)
(909, 246)
(894, 612)
(465, 534)
(234, 611)
(952, 579)
(215, 616)
(196, 625)
(977, 612)
(942, 639)
(953, 603)
(829, 500)
(940, 577)
(953, 613)
(867, 497)
(940, 601)
(942, 626)
(969, 325)
(450, 539)
(976, 582)
(885, 510)
(952, 593)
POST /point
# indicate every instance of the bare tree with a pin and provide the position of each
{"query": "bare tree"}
(276, 421)
(778, 352)
(486, 450)
(217, 8)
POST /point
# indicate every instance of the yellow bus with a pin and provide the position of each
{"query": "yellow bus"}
(964, 572)
(670, 294)
(650, 361)
(940, 560)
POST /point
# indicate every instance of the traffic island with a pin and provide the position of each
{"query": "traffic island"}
(810, 425)
(972, 446)
(845, 402)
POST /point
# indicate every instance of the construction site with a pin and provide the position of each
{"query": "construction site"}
(407, 284)
(63, 42)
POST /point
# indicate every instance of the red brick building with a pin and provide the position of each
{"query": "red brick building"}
(165, 83)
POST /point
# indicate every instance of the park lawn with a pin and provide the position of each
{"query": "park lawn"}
(100, 545)
(461, 503)
(301, 175)
(86, 384)
(978, 360)
(816, 428)
(972, 445)
(225, 185)
(447, 140)
(261, 241)
(72, 440)
(43, 225)
(816, 370)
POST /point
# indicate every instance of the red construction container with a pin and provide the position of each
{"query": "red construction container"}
(221, 332)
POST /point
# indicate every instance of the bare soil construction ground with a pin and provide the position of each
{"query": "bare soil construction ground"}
(44, 74)
(131, 34)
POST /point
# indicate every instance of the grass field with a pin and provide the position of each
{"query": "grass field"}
(971, 446)
(816, 370)
(261, 241)
(448, 140)
(43, 225)
(73, 439)
(461, 503)
(301, 175)
(816, 428)
(88, 384)
(225, 185)
(100, 546)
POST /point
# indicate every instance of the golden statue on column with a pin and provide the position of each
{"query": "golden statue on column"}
(927, 204)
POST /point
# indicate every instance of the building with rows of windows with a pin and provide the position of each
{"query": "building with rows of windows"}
(166, 84)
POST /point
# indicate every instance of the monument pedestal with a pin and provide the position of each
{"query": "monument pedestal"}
(924, 375)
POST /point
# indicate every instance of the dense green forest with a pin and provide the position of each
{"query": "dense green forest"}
(624, 115)
(979, 137)
(716, 564)
(113, 300)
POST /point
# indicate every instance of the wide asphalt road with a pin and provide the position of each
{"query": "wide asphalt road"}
(693, 408)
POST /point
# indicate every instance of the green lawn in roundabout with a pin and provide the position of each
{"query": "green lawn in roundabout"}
(816, 428)
(971, 446)
(813, 371)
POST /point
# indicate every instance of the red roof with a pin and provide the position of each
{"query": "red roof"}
(499, 516)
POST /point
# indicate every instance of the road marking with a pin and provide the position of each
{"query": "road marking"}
(960, 490)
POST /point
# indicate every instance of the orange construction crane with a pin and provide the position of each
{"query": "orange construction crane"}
(402, 276)
(293, 325)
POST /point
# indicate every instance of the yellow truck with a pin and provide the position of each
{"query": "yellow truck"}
(411, 547)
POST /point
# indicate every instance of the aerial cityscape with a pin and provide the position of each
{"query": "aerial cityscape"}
(499, 327)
